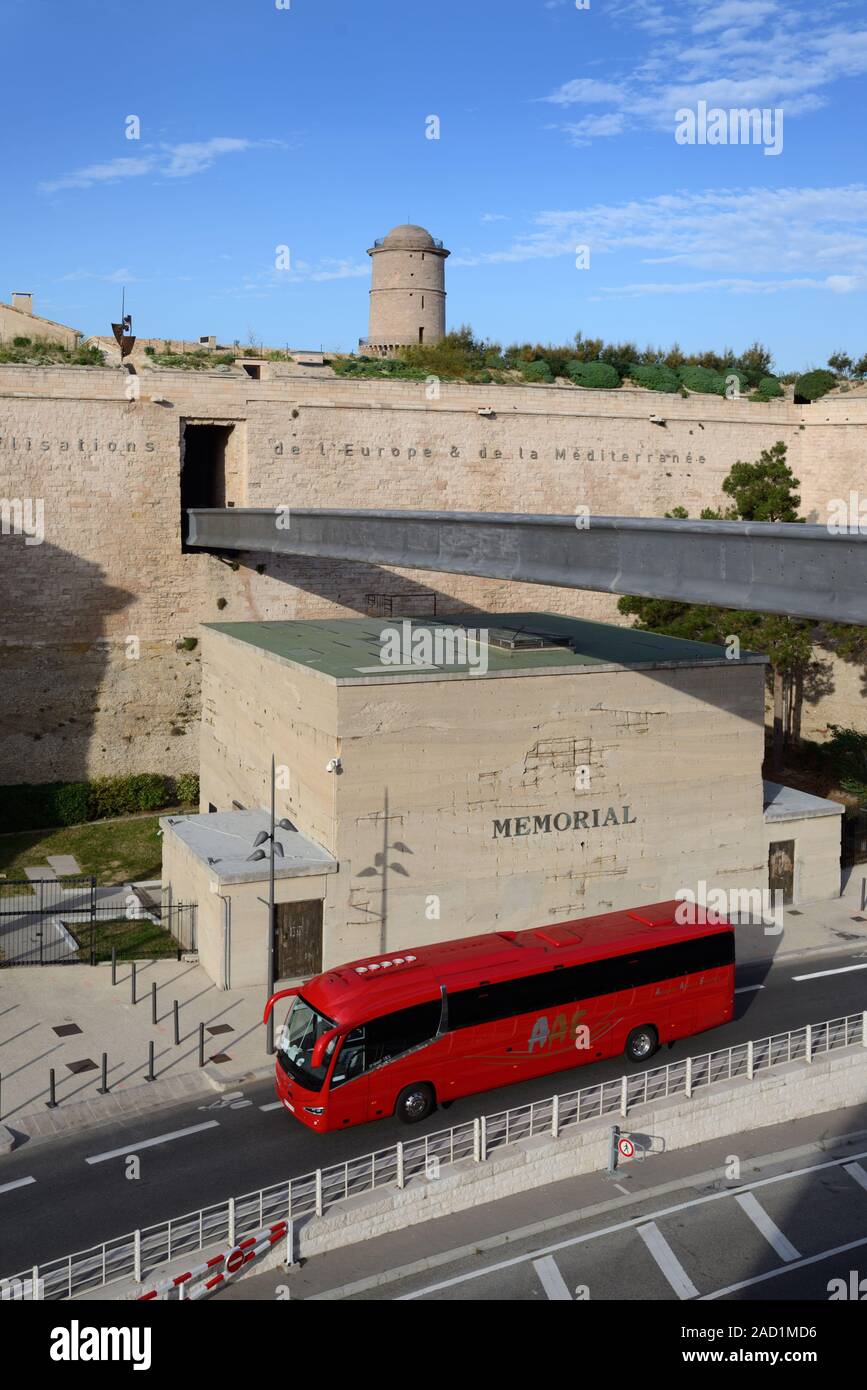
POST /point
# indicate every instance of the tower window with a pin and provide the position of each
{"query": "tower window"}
(421, 335)
(422, 301)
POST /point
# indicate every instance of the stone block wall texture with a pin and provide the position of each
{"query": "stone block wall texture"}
(93, 679)
(430, 765)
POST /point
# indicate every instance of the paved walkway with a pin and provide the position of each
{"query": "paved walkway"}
(67, 1015)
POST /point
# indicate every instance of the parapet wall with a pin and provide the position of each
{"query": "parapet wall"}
(94, 679)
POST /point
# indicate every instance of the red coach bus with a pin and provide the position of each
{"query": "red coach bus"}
(394, 1035)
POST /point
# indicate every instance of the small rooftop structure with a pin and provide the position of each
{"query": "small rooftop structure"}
(787, 803)
(222, 841)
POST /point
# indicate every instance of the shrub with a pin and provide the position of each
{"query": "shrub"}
(811, 385)
(600, 376)
(187, 788)
(654, 377)
(769, 388)
(537, 370)
(847, 752)
(702, 379)
(70, 803)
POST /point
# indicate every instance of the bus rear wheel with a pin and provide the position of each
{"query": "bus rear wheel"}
(414, 1103)
(642, 1043)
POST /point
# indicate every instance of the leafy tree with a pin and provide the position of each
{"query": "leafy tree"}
(760, 491)
(755, 363)
(764, 491)
(841, 363)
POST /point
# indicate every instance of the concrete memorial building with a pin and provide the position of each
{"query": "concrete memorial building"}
(564, 767)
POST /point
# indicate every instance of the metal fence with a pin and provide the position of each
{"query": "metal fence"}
(64, 922)
(138, 1254)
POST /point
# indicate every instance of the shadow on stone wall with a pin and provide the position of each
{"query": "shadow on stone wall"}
(51, 686)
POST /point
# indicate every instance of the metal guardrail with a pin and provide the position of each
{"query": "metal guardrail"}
(140, 1253)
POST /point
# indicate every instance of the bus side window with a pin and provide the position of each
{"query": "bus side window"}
(351, 1062)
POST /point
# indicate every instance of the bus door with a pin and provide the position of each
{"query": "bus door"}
(350, 1082)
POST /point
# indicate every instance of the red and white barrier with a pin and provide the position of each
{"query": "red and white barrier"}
(220, 1268)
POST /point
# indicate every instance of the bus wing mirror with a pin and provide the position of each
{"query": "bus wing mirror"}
(320, 1047)
(281, 994)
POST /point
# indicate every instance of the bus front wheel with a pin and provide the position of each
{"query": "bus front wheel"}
(415, 1103)
(642, 1043)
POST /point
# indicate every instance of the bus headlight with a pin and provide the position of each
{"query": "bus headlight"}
(314, 1109)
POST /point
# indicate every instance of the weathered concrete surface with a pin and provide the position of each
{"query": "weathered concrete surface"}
(800, 571)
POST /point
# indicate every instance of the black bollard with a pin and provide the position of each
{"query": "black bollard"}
(177, 1023)
(103, 1089)
(201, 1044)
(114, 965)
(132, 985)
(154, 1002)
(52, 1103)
(150, 1076)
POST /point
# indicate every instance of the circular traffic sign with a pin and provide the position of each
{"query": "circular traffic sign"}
(626, 1148)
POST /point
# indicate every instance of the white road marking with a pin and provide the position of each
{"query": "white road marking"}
(853, 1169)
(20, 1182)
(631, 1224)
(667, 1261)
(274, 1105)
(552, 1280)
(748, 989)
(769, 1229)
(784, 1269)
(135, 1144)
(820, 974)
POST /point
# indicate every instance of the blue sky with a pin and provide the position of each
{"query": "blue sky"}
(306, 127)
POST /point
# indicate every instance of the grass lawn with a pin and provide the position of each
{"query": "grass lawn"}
(116, 851)
(136, 940)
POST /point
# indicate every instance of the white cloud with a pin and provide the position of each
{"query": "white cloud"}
(726, 52)
(166, 161)
(584, 89)
(756, 239)
(494, 217)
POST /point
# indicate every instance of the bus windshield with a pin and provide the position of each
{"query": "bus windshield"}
(297, 1038)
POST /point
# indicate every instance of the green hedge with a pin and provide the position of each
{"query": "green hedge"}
(703, 379)
(48, 804)
(537, 371)
(769, 388)
(811, 385)
(601, 376)
(654, 377)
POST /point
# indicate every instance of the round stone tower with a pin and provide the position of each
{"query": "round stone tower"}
(408, 294)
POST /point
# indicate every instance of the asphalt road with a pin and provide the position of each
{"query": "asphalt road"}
(55, 1199)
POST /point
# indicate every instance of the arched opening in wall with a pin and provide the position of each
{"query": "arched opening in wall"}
(205, 449)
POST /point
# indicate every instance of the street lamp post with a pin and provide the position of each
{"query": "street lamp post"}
(259, 853)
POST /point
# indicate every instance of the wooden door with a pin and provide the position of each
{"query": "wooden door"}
(781, 868)
(297, 939)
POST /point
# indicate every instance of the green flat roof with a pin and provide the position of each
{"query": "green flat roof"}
(350, 649)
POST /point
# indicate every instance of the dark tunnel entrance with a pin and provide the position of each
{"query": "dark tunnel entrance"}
(203, 470)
